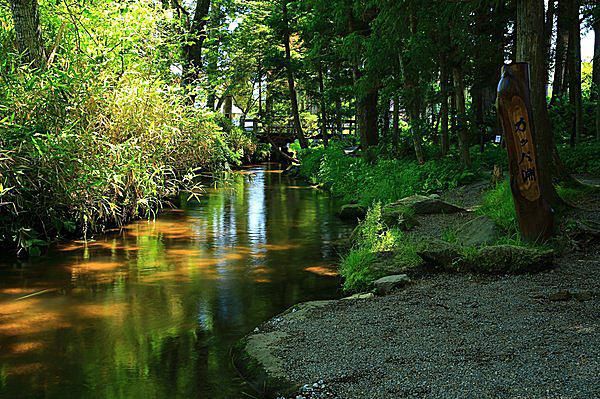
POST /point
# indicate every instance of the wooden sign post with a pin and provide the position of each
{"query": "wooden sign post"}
(534, 214)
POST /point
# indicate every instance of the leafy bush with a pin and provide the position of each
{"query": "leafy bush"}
(100, 136)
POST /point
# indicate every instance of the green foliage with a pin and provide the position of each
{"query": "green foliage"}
(387, 180)
(583, 158)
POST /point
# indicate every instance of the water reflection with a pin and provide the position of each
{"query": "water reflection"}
(153, 310)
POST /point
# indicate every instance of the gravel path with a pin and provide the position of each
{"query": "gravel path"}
(453, 336)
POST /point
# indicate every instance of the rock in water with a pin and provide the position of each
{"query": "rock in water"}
(479, 231)
(352, 212)
(292, 171)
(387, 284)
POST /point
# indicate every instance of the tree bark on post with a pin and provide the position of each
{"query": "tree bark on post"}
(28, 32)
(290, 77)
(530, 49)
(534, 214)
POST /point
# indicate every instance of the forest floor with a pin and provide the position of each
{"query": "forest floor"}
(447, 335)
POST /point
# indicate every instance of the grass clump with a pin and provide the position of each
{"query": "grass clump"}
(498, 205)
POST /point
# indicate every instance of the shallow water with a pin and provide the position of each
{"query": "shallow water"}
(152, 311)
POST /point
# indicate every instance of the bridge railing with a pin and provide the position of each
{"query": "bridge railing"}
(347, 127)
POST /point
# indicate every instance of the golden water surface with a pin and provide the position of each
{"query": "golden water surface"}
(151, 311)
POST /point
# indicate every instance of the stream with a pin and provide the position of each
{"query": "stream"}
(152, 310)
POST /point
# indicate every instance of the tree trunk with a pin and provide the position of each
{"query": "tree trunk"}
(197, 36)
(596, 63)
(385, 131)
(530, 48)
(324, 132)
(452, 104)
(396, 123)
(413, 94)
(463, 135)
(228, 107)
(28, 32)
(596, 71)
(216, 18)
(444, 107)
(548, 33)
(477, 109)
(338, 116)
(574, 65)
(560, 57)
(290, 77)
(366, 107)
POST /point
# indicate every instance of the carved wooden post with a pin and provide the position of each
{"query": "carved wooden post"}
(534, 214)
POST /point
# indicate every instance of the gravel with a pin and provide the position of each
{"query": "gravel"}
(456, 336)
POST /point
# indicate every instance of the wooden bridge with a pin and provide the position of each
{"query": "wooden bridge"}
(281, 135)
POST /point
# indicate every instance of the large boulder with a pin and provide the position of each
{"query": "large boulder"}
(426, 205)
(495, 259)
(441, 255)
(387, 284)
(352, 212)
(500, 259)
(479, 231)
(396, 262)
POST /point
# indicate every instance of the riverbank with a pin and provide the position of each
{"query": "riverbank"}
(445, 334)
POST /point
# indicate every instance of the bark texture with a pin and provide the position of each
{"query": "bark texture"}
(562, 43)
(28, 32)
